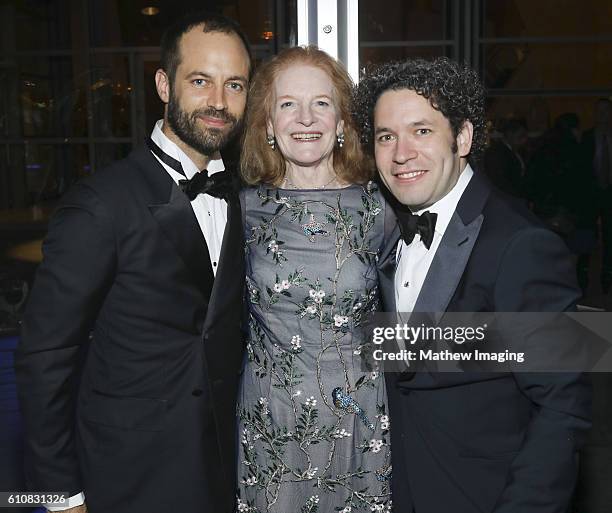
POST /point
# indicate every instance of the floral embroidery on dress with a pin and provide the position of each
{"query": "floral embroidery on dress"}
(314, 424)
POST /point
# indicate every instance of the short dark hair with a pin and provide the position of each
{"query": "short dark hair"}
(454, 90)
(211, 22)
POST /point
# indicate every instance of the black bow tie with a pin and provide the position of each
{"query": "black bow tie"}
(411, 224)
(220, 185)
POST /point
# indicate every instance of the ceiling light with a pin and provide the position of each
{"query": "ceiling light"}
(150, 10)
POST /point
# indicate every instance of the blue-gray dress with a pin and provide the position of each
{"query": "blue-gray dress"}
(314, 427)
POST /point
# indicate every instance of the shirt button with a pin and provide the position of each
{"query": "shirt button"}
(406, 284)
(215, 264)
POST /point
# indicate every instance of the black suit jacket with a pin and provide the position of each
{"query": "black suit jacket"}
(144, 420)
(488, 442)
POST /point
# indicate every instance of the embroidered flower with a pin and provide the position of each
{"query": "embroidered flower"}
(375, 445)
(250, 481)
(311, 309)
(296, 342)
(341, 433)
(340, 320)
(317, 295)
(313, 500)
(384, 422)
(273, 246)
(285, 284)
(311, 401)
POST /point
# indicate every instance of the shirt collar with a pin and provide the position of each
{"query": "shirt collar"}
(159, 138)
(445, 207)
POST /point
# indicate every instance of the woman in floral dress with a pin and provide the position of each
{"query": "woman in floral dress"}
(314, 430)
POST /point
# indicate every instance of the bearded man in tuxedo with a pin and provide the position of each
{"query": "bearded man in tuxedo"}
(147, 257)
(467, 442)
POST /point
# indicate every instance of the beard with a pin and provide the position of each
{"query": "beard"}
(206, 141)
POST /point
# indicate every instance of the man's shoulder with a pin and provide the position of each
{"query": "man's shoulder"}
(509, 213)
(507, 219)
(107, 189)
(118, 171)
(117, 176)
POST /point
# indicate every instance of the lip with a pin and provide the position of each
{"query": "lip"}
(410, 176)
(314, 139)
(210, 121)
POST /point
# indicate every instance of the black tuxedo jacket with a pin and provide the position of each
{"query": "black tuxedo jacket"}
(488, 442)
(144, 420)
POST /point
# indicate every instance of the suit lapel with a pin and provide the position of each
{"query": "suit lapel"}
(455, 248)
(448, 265)
(229, 281)
(173, 212)
(178, 222)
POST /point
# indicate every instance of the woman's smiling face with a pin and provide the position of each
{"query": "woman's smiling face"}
(304, 118)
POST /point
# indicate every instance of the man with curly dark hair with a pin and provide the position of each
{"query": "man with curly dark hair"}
(467, 442)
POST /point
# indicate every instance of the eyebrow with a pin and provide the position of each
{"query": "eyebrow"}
(207, 75)
(285, 96)
(419, 123)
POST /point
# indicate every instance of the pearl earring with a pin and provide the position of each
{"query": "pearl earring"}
(340, 140)
(271, 142)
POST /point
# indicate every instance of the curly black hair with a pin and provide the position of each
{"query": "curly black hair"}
(453, 89)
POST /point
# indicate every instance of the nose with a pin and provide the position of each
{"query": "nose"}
(404, 151)
(305, 115)
(217, 99)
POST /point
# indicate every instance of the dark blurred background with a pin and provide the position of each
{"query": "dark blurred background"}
(77, 92)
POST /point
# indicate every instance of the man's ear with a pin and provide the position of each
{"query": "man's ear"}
(464, 139)
(162, 84)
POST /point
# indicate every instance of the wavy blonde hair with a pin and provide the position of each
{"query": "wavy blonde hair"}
(259, 164)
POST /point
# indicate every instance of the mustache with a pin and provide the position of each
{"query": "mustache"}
(223, 115)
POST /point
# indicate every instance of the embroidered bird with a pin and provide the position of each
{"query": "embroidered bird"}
(312, 228)
(346, 403)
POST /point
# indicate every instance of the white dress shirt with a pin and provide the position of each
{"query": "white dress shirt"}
(414, 260)
(210, 212)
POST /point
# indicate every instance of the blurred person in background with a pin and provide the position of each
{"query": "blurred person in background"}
(563, 192)
(503, 159)
(597, 148)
